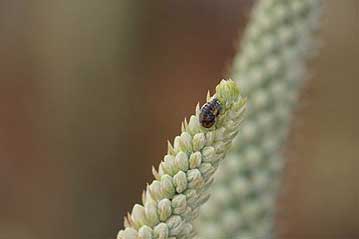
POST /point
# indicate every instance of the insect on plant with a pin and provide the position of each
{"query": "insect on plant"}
(209, 113)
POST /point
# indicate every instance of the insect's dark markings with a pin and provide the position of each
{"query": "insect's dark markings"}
(209, 113)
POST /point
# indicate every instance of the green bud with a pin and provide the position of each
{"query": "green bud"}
(169, 166)
(227, 92)
(180, 181)
(199, 141)
(179, 204)
(192, 197)
(195, 179)
(167, 188)
(186, 142)
(161, 231)
(193, 125)
(207, 170)
(145, 232)
(210, 137)
(155, 190)
(175, 224)
(209, 154)
(195, 160)
(182, 161)
(138, 215)
(128, 233)
(164, 209)
(151, 213)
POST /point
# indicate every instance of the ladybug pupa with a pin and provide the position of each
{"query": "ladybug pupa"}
(209, 113)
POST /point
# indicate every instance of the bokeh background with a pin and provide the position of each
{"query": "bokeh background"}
(91, 90)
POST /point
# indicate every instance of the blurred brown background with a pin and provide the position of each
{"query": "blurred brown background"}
(91, 90)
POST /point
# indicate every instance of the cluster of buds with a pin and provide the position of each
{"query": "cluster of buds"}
(172, 201)
(271, 70)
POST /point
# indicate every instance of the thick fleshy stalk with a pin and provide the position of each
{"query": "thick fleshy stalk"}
(171, 202)
(271, 70)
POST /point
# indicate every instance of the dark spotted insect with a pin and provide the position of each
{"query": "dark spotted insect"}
(209, 113)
